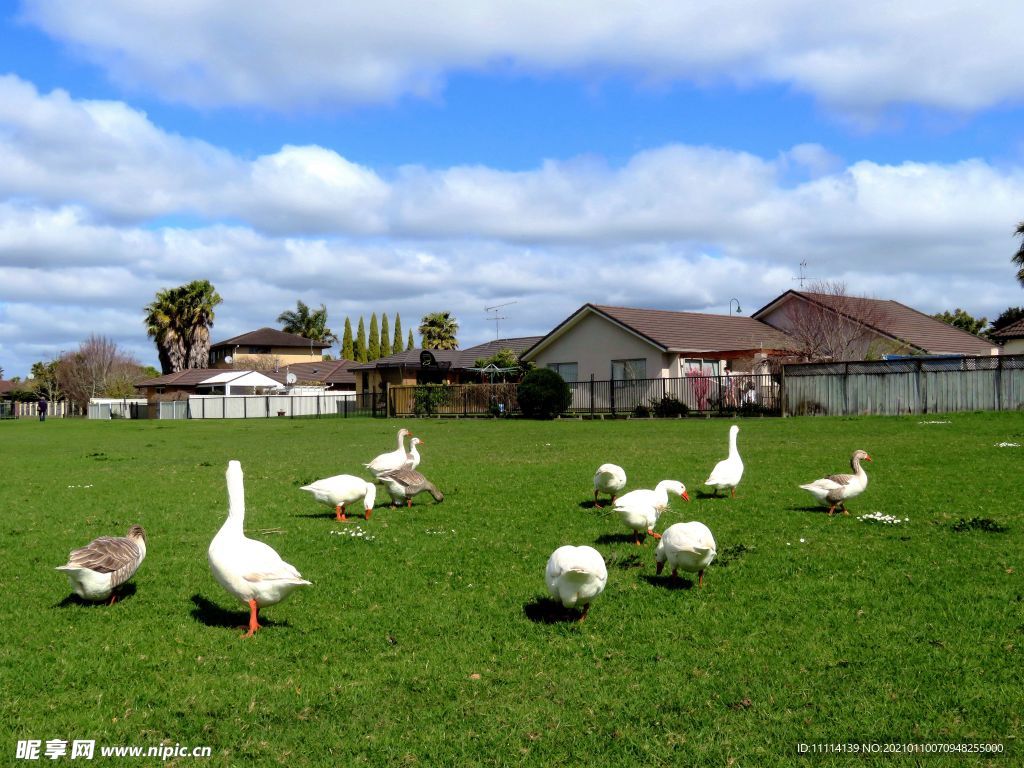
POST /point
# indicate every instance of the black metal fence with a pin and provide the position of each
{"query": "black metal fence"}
(754, 394)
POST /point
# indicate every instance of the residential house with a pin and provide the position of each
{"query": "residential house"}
(330, 375)
(432, 366)
(1011, 337)
(873, 328)
(624, 343)
(265, 348)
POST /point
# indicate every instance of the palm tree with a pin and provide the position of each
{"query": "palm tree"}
(309, 325)
(179, 320)
(438, 331)
(1018, 257)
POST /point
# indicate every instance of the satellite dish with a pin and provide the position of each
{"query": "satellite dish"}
(229, 359)
(290, 378)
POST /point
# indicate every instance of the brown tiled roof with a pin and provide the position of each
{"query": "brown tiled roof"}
(458, 358)
(1011, 331)
(901, 322)
(270, 337)
(673, 331)
(331, 372)
(6, 386)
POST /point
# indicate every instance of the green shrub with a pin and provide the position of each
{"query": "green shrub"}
(430, 397)
(669, 407)
(543, 394)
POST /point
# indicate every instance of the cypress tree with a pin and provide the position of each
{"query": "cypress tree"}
(346, 342)
(385, 337)
(411, 344)
(373, 347)
(396, 345)
(360, 348)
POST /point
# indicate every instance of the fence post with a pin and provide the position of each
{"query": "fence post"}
(999, 383)
(387, 402)
(846, 389)
(591, 395)
(611, 395)
(922, 386)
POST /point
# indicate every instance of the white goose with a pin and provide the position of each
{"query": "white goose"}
(834, 490)
(610, 479)
(248, 569)
(641, 509)
(575, 576)
(104, 564)
(339, 490)
(727, 473)
(391, 460)
(686, 546)
(412, 459)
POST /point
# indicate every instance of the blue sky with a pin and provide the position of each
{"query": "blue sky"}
(381, 159)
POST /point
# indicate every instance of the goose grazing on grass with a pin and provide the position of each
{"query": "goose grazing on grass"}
(104, 564)
(836, 489)
(686, 546)
(610, 479)
(339, 490)
(405, 483)
(248, 569)
(412, 459)
(727, 473)
(575, 576)
(391, 460)
(641, 509)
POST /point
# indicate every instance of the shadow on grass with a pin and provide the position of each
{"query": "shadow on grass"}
(212, 615)
(124, 592)
(544, 610)
(812, 508)
(668, 582)
(699, 494)
(615, 538)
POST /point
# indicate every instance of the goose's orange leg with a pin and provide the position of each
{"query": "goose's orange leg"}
(253, 623)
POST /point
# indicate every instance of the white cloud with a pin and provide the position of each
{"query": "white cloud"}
(854, 54)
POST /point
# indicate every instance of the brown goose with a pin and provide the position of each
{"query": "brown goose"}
(405, 483)
(104, 564)
(834, 490)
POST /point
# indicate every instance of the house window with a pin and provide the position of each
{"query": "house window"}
(568, 371)
(259, 350)
(628, 370)
(696, 366)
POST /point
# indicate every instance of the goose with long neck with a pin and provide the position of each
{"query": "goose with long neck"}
(392, 460)
(834, 490)
(248, 569)
(728, 472)
(641, 509)
(412, 459)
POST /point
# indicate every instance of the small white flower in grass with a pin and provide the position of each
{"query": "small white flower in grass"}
(878, 517)
(1007, 445)
(803, 541)
(933, 422)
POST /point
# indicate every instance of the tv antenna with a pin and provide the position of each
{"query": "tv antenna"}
(498, 318)
(802, 277)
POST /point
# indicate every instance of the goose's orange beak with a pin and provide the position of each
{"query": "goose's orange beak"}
(685, 495)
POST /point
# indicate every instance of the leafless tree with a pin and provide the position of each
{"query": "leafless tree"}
(829, 325)
(98, 368)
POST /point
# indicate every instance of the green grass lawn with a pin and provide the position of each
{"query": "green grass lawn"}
(430, 640)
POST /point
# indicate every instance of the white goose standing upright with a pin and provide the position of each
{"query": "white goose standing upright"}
(248, 569)
(641, 509)
(104, 564)
(412, 459)
(610, 479)
(689, 546)
(576, 575)
(728, 472)
(392, 460)
(834, 490)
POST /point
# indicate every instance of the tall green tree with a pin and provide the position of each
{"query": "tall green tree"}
(179, 321)
(360, 348)
(308, 324)
(347, 350)
(960, 318)
(385, 338)
(410, 344)
(396, 345)
(438, 331)
(1018, 257)
(373, 346)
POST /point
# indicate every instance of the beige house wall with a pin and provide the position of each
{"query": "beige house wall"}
(1013, 347)
(593, 342)
(277, 356)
